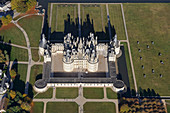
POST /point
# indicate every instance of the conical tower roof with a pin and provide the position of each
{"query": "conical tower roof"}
(43, 42)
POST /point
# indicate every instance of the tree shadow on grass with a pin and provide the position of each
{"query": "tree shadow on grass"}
(6, 48)
(15, 65)
(18, 85)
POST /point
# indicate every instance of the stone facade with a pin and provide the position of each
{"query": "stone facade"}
(81, 52)
(79, 62)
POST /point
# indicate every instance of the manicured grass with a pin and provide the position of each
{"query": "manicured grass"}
(22, 71)
(168, 106)
(100, 107)
(62, 107)
(36, 73)
(60, 14)
(116, 19)
(66, 92)
(131, 82)
(93, 93)
(32, 25)
(37, 107)
(146, 23)
(35, 55)
(19, 54)
(12, 34)
(111, 94)
(47, 94)
(97, 13)
(48, 13)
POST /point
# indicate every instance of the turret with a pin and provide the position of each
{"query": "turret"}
(42, 45)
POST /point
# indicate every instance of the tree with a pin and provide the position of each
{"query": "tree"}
(2, 57)
(12, 94)
(17, 103)
(13, 73)
(25, 106)
(19, 5)
(22, 5)
(6, 20)
(9, 18)
(31, 4)
(0, 23)
(124, 108)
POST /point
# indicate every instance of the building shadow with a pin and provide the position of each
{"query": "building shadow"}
(72, 26)
(39, 76)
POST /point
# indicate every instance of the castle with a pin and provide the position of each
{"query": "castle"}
(81, 52)
(78, 62)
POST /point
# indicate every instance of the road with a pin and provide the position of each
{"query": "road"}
(130, 56)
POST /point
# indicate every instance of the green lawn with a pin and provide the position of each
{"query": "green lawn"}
(19, 54)
(100, 107)
(32, 25)
(60, 12)
(36, 73)
(97, 13)
(22, 71)
(111, 94)
(146, 23)
(93, 93)
(116, 19)
(66, 92)
(62, 107)
(130, 75)
(47, 94)
(13, 34)
(35, 55)
(48, 13)
(37, 107)
(168, 106)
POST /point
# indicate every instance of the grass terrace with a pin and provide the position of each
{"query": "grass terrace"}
(66, 92)
(93, 93)
(111, 94)
(36, 73)
(168, 106)
(35, 55)
(116, 19)
(37, 107)
(99, 107)
(32, 25)
(19, 54)
(62, 107)
(47, 94)
(130, 75)
(22, 71)
(146, 23)
(60, 14)
(12, 34)
(96, 16)
(97, 13)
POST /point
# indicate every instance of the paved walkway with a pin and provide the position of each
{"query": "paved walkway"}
(105, 93)
(15, 45)
(130, 56)
(29, 50)
(30, 61)
(80, 100)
